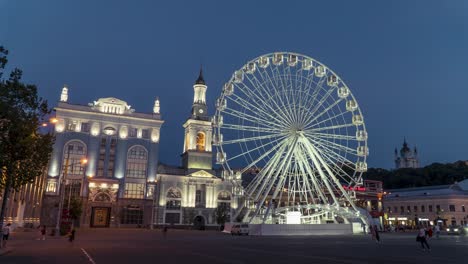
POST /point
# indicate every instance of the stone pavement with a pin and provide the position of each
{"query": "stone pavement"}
(98, 246)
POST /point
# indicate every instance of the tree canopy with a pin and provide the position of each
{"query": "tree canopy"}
(434, 174)
(24, 151)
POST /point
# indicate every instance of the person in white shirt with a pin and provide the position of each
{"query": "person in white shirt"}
(437, 231)
(6, 233)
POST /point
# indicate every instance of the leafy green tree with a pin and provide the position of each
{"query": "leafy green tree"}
(24, 151)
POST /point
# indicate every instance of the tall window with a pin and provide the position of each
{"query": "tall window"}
(132, 132)
(102, 157)
(173, 199)
(145, 133)
(74, 152)
(85, 127)
(452, 208)
(134, 190)
(430, 208)
(415, 208)
(199, 199)
(423, 209)
(110, 164)
(200, 141)
(137, 162)
(463, 208)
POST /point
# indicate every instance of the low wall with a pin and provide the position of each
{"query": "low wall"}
(300, 230)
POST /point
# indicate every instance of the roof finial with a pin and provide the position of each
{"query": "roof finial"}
(64, 94)
(156, 107)
(200, 79)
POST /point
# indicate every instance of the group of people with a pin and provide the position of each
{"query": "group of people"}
(43, 231)
(422, 237)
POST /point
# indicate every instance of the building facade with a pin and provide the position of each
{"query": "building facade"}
(189, 194)
(23, 207)
(105, 155)
(408, 158)
(443, 204)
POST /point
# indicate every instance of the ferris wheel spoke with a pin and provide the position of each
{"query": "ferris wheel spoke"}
(250, 128)
(258, 106)
(275, 108)
(333, 156)
(338, 171)
(332, 176)
(305, 168)
(318, 105)
(329, 119)
(273, 148)
(317, 116)
(250, 118)
(330, 136)
(265, 174)
(273, 83)
(330, 127)
(227, 142)
(333, 145)
(310, 150)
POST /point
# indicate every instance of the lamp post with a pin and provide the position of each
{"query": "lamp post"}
(62, 191)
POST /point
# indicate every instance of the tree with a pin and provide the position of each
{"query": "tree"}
(222, 213)
(24, 151)
(76, 209)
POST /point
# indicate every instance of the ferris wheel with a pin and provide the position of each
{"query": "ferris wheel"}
(293, 122)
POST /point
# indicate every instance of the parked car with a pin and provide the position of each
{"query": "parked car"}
(240, 229)
(456, 230)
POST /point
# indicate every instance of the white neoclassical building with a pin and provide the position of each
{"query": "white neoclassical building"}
(116, 185)
(189, 194)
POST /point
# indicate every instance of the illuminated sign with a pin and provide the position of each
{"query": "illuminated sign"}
(356, 188)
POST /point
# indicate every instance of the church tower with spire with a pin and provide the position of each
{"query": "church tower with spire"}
(408, 158)
(197, 153)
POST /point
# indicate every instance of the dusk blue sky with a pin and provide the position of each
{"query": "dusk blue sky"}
(405, 61)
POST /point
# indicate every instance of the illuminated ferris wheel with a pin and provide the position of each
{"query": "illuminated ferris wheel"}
(297, 124)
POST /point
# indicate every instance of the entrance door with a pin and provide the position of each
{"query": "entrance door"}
(100, 217)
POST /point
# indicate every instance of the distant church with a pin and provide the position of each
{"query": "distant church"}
(408, 158)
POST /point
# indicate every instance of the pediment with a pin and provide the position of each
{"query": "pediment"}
(201, 174)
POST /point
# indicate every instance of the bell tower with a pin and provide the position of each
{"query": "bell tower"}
(197, 153)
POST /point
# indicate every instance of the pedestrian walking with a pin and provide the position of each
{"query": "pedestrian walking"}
(421, 238)
(372, 230)
(43, 232)
(377, 236)
(6, 234)
(71, 235)
(164, 232)
(437, 230)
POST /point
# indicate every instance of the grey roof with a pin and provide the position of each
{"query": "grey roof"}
(460, 188)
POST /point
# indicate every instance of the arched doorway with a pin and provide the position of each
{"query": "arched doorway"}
(199, 222)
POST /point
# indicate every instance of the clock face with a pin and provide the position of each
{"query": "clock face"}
(200, 111)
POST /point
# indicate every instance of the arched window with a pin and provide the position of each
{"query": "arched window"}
(74, 152)
(173, 199)
(200, 141)
(224, 196)
(137, 162)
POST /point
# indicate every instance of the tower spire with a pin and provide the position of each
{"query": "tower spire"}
(200, 79)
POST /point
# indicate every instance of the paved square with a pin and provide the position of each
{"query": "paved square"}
(182, 246)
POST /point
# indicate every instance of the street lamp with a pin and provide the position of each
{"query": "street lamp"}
(62, 190)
